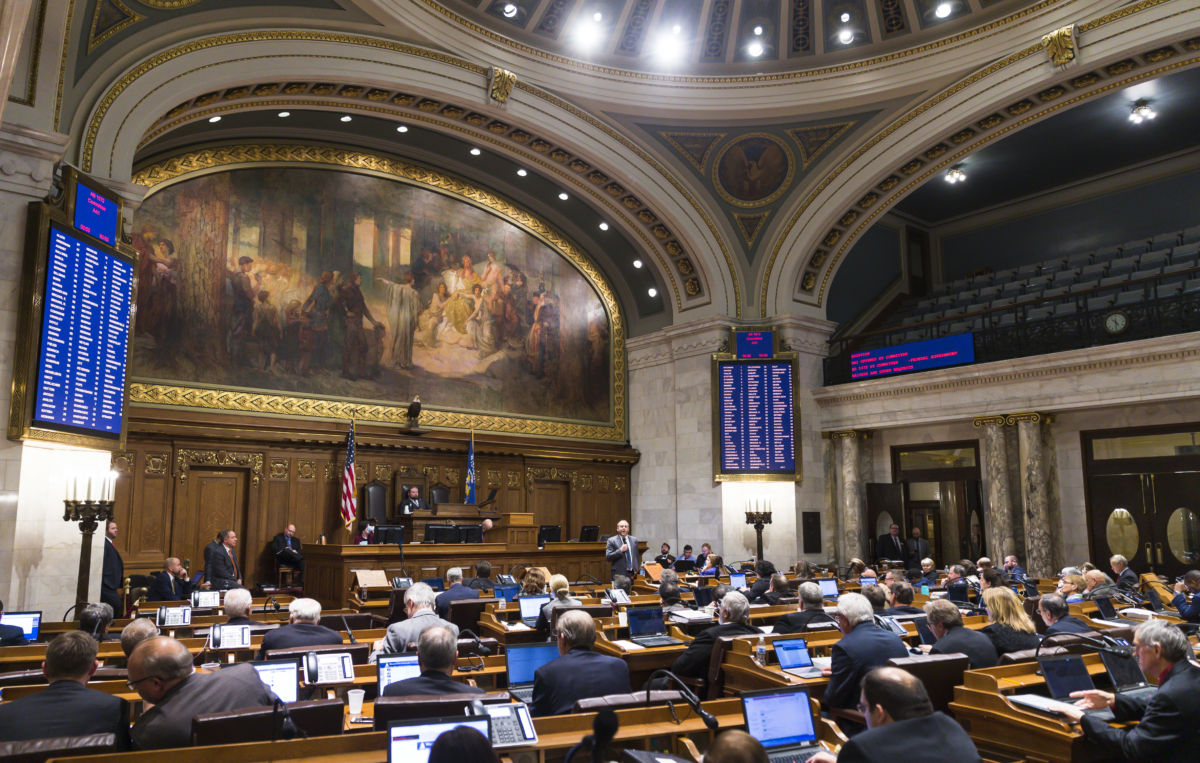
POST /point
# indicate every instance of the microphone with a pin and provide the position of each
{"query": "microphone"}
(288, 728)
(692, 700)
(588, 579)
(349, 632)
(1103, 644)
(483, 650)
(273, 602)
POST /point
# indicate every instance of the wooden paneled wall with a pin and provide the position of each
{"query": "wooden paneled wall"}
(183, 476)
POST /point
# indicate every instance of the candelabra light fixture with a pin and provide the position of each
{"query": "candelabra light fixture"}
(955, 174)
(758, 515)
(89, 501)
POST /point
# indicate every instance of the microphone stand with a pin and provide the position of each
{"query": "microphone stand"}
(481, 649)
(1102, 644)
(692, 700)
(349, 632)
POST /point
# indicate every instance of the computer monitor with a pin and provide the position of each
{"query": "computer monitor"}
(389, 535)
(506, 592)
(521, 660)
(738, 580)
(779, 718)
(441, 534)
(281, 676)
(645, 621)
(396, 667)
(685, 565)
(549, 534)
(829, 587)
(411, 741)
(470, 534)
(28, 622)
(589, 533)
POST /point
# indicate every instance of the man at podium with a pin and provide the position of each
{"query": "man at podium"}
(413, 502)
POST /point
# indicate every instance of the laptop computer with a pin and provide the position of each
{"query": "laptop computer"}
(829, 588)
(396, 667)
(281, 676)
(926, 635)
(782, 721)
(531, 607)
(506, 592)
(521, 660)
(1126, 675)
(1064, 674)
(647, 628)
(1109, 613)
(29, 622)
(410, 741)
(737, 580)
(512, 725)
(794, 659)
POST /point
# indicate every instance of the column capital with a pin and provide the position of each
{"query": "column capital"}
(988, 421)
(27, 158)
(1034, 417)
(848, 434)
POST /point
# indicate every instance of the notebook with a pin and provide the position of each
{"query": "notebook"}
(794, 659)
(410, 741)
(782, 721)
(531, 607)
(396, 667)
(521, 662)
(829, 587)
(647, 628)
(281, 676)
(28, 622)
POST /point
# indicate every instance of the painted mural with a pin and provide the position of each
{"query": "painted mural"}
(345, 285)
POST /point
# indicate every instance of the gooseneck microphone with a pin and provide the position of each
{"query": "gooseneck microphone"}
(483, 650)
(692, 700)
(349, 632)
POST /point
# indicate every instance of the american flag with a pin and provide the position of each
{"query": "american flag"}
(349, 502)
(469, 488)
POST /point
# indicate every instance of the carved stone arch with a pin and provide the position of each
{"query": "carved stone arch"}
(684, 243)
(985, 106)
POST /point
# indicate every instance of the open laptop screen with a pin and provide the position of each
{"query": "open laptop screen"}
(1124, 670)
(523, 660)
(1105, 605)
(645, 621)
(777, 719)
(396, 667)
(1065, 674)
(737, 580)
(792, 653)
(411, 741)
(829, 587)
(28, 622)
(531, 606)
(281, 677)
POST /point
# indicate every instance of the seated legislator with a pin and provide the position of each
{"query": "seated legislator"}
(664, 557)
(902, 726)
(877, 597)
(11, 635)
(171, 583)
(1098, 586)
(534, 583)
(94, 619)
(863, 646)
(1012, 567)
(763, 570)
(686, 555)
(560, 590)
(990, 578)
(138, 630)
(929, 576)
(366, 533)
(735, 746)
(671, 576)
(413, 502)
(455, 591)
(813, 611)
(66, 707)
(945, 622)
(1071, 587)
(1127, 579)
(671, 597)
(405, 635)
(579, 673)
(1189, 584)
(1057, 617)
(1011, 629)
(302, 629)
(777, 590)
(160, 671)
(237, 607)
(733, 620)
(957, 587)
(1168, 730)
(286, 549)
(483, 577)
(713, 564)
(437, 648)
(901, 598)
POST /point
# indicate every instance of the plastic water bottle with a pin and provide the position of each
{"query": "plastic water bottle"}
(760, 652)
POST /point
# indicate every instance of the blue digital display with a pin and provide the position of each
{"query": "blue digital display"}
(756, 417)
(917, 356)
(85, 338)
(95, 214)
(755, 344)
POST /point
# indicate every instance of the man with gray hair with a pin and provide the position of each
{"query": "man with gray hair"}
(579, 673)
(437, 649)
(1126, 578)
(303, 629)
(863, 646)
(94, 620)
(455, 590)
(733, 620)
(946, 623)
(418, 606)
(160, 671)
(237, 607)
(1167, 728)
(813, 611)
(138, 630)
(1057, 615)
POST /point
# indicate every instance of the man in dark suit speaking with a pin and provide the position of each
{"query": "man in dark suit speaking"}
(622, 552)
(436, 650)
(579, 673)
(890, 546)
(67, 707)
(286, 548)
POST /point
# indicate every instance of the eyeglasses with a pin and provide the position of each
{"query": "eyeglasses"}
(133, 684)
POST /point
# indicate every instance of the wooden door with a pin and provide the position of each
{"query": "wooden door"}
(549, 505)
(1174, 518)
(884, 501)
(212, 500)
(1120, 519)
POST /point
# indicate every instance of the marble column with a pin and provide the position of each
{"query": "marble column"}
(13, 17)
(1035, 493)
(851, 503)
(1001, 539)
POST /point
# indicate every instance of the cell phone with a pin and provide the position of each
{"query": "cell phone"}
(363, 719)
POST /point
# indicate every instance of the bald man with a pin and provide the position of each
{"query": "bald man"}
(172, 583)
(286, 548)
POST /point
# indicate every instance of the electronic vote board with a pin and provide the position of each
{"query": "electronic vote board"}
(755, 410)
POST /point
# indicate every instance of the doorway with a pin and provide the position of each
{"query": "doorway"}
(213, 500)
(943, 496)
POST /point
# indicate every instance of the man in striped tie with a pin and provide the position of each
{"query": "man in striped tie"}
(622, 552)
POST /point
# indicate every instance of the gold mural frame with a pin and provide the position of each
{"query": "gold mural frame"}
(197, 163)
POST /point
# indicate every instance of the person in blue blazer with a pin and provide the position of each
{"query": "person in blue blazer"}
(863, 646)
(1190, 583)
(579, 673)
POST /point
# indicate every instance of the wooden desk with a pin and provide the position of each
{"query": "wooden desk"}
(642, 662)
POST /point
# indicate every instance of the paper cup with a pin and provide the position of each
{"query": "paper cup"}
(355, 698)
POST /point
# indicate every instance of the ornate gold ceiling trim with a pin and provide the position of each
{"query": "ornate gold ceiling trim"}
(168, 5)
(131, 17)
(35, 58)
(62, 64)
(188, 164)
(867, 63)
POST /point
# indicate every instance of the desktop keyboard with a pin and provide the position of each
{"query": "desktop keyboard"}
(523, 693)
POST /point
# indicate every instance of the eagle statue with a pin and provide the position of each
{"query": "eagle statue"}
(414, 411)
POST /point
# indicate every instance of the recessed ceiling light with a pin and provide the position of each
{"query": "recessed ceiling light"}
(668, 48)
(402, 128)
(653, 292)
(943, 10)
(755, 49)
(845, 17)
(346, 117)
(510, 10)
(845, 36)
(521, 173)
(1141, 112)
(676, 29)
(758, 31)
(637, 263)
(597, 16)
(603, 226)
(214, 120)
(563, 196)
(284, 114)
(475, 152)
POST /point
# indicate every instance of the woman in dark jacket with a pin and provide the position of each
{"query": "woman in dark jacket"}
(1011, 629)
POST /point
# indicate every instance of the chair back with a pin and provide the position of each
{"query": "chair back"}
(940, 673)
(358, 621)
(396, 611)
(316, 717)
(716, 675)
(1031, 609)
(358, 652)
(465, 612)
(592, 610)
(38, 750)
(388, 709)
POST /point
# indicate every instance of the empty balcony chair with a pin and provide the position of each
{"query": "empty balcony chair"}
(1123, 265)
(1065, 277)
(1099, 304)
(1189, 235)
(987, 293)
(1152, 262)
(1006, 319)
(1169, 287)
(1057, 292)
(1176, 268)
(1013, 288)
(1030, 270)
(1185, 252)
(1081, 259)
(1081, 286)
(1093, 272)
(1164, 240)
(1114, 280)
(1191, 286)
(1130, 298)
(1038, 314)
(1063, 309)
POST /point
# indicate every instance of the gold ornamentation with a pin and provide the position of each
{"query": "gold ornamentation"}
(185, 459)
(597, 177)
(452, 112)
(912, 166)
(493, 476)
(452, 474)
(168, 5)
(1120, 67)
(1085, 80)
(429, 105)
(1061, 45)
(818, 259)
(96, 39)
(585, 483)
(849, 434)
(1033, 416)
(383, 472)
(936, 151)
(560, 156)
(685, 266)
(848, 218)
(157, 464)
(989, 122)
(377, 95)
(691, 287)
(614, 189)
(1020, 107)
(832, 237)
(1192, 44)
(809, 281)
(352, 91)
(618, 484)
(306, 470)
(430, 472)
(1051, 93)
(333, 472)
(324, 88)
(270, 88)
(984, 421)
(673, 248)
(1161, 54)
(547, 474)
(500, 84)
(957, 138)
(513, 479)
(579, 165)
(602, 483)
(647, 216)
(280, 469)
(520, 136)
(233, 93)
(121, 461)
